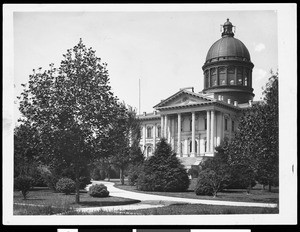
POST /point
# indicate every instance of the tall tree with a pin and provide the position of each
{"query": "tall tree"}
(71, 107)
(254, 148)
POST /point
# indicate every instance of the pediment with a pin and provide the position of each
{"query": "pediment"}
(183, 98)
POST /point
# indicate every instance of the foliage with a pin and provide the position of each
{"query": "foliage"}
(254, 149)
(215, 173)
(65, 185)
(24, 184)
(163, 171)
(133, 173)
(72, 108)
(98, 190)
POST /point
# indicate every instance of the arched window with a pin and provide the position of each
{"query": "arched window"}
(158, 131)
(149, 132)
(195, 146)
(222, 76)
(149, 151)
(213, 77)
(240, 76)
(226, 123)
(231, 75)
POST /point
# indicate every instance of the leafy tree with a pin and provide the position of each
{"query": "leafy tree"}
(254, 149)
(163, 171)
(71, 107)
(215, 173)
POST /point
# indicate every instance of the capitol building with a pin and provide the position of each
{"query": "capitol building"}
(195, 123)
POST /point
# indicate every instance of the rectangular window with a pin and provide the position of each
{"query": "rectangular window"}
(222, 76)
(205, 124)
(232, 126)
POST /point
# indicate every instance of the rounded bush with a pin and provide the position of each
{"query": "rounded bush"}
(98, 190)
(65, 185)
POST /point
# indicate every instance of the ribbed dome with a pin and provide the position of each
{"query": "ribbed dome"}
(228, 46)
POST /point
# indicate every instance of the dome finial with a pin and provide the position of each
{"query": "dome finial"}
(227, 29)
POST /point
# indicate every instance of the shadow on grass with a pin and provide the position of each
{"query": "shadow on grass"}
(107, 203)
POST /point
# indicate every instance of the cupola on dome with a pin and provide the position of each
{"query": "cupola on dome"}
(228, 47)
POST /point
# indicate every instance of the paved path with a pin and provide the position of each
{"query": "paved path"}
(151, 201)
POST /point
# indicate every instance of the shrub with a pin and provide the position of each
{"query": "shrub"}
(133, 173)
(163, 171)
(24, 184)
(98, 190)
(203, 186)
(65, 185)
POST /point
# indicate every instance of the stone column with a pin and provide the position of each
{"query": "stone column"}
(154, 137)
(166, 127)
(193, 134)
(208, 131)
(212, 133)
(186, 146)
(144, 136)
(169, 130)
(162, 126)
(179, 135)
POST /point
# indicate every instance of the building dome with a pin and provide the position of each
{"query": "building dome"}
(228, 47)
(228, 68)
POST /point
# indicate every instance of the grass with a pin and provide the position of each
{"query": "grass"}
(199, 209)
(240, 195)
(44, 201)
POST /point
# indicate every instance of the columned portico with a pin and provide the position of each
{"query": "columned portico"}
(208, 131)
(179, 135)
(212, 133)
(165, 127)
(193, 134)
(154, 137)
(162, 126)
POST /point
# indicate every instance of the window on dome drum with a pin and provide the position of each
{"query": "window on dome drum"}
(158, 131)
(149, 132)
(231, 76)
(213, 77)
(206, 78)
(226, 124)
(232, 125)
(240, 76)
(246, 77)
(222, 76)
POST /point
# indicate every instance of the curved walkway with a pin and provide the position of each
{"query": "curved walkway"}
(151, 201)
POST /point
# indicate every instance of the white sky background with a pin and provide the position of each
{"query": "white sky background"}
(165, 50)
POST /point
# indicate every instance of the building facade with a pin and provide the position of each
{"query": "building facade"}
(195, 123)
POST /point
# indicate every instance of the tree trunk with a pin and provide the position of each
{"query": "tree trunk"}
(270, 186)
(249, 187)
(108, 174)
(122, 176)
(77, 184)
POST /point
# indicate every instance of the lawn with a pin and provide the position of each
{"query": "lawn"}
(45, 197)
(256, 194)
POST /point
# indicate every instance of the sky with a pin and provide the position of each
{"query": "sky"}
(165, 50)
